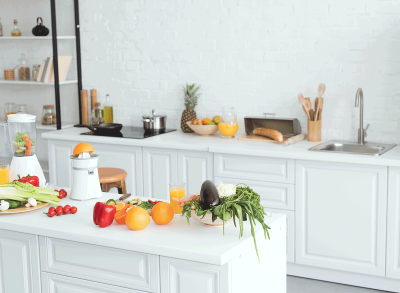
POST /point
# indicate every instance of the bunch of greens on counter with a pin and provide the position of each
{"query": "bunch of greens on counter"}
(23, 144)
(21, 192)
(148, 205)
(241, 206)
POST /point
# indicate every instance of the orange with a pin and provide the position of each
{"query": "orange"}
(206, 120)
(82, 147)
(137, 218)
(119, 216)
(162, 213)
(119, 206)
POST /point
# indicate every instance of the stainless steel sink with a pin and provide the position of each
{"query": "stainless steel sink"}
(347, 147)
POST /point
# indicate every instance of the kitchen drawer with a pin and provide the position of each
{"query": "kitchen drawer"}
(254, 168)
(112, 266)
(61, 284)
(273, 195)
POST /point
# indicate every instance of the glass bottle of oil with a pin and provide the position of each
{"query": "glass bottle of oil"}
(108, 111)
(16, 32)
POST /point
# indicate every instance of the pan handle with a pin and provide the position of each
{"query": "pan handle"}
(87, 126)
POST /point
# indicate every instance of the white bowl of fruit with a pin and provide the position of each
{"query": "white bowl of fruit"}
(205, 127)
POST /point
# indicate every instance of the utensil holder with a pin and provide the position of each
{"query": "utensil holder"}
(314, 130)
(9, 74)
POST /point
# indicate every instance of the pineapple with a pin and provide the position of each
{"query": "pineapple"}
(189, 114)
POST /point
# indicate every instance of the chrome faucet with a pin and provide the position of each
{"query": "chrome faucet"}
(362, 133)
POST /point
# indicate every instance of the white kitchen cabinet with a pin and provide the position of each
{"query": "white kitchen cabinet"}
(273, 195)
(19, 263)
(194, 168)
(341, 216)
(290, 230)
(60, 170)
(61, 284)
(160, 168)
(178, 276)
(128, 158)
(393, 225)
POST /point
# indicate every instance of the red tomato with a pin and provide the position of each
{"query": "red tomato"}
(74, 210)
(63, 193)
(67, 209)
(59, 210)
(51, 213)
(52, 209)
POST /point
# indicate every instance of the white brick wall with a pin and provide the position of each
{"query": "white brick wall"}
(255, 55)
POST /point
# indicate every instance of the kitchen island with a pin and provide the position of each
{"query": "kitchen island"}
(343, 210)
(70, 254)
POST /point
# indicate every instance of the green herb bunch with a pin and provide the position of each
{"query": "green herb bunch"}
(242, 206)
(146, 205)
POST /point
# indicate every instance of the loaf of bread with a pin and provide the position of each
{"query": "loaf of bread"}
(271, 133)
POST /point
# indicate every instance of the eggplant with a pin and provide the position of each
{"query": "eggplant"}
(209, 196)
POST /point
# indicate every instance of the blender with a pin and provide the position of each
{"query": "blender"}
(20, 135)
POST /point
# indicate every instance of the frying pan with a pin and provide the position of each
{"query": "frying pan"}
(103, 128)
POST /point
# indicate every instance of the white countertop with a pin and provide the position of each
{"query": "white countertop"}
(216, 144)
(177, 239)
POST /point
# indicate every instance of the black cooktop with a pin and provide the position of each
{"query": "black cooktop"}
(131, 132)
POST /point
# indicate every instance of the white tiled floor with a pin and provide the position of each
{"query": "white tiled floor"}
(302, 285)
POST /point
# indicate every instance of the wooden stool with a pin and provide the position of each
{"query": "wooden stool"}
(112, 177)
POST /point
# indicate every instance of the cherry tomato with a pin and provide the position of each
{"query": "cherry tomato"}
(52, 209)
(51, 213)
(63, 193)
(67, 209)
(74, 210)
(193, 207)
(59, 210)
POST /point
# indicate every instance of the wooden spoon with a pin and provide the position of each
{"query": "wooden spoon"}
(319, 101)
(321, 91)
(302, 101)
(308, 103)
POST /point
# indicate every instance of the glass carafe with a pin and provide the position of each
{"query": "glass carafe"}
(20, 134)
(228, 126)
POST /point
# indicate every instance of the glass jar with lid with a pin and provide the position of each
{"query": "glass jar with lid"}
(48, 115)
(24, 69)
(22, 108)
(35, 72)
(9, 108)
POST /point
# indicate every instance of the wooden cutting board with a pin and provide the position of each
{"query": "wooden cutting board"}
(23, 209)
(253, 137)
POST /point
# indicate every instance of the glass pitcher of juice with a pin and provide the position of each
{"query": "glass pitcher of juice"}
(228, 126)
(176, 190)
(4, 174)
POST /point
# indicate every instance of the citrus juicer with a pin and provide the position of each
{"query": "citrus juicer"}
(20, 135)
(85, 177)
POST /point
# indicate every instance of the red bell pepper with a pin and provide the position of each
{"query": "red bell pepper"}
(34, 180)
(103, 213)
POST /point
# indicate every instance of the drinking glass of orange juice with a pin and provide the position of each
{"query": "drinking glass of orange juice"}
(176, 190)
(4, 175)
(228, 126)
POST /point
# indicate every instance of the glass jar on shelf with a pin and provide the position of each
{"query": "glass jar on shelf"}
(228, 126)
(1, 29)
(48, 115)
(22, 108)
(9, 108)
(24, 69)
(35, 71)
